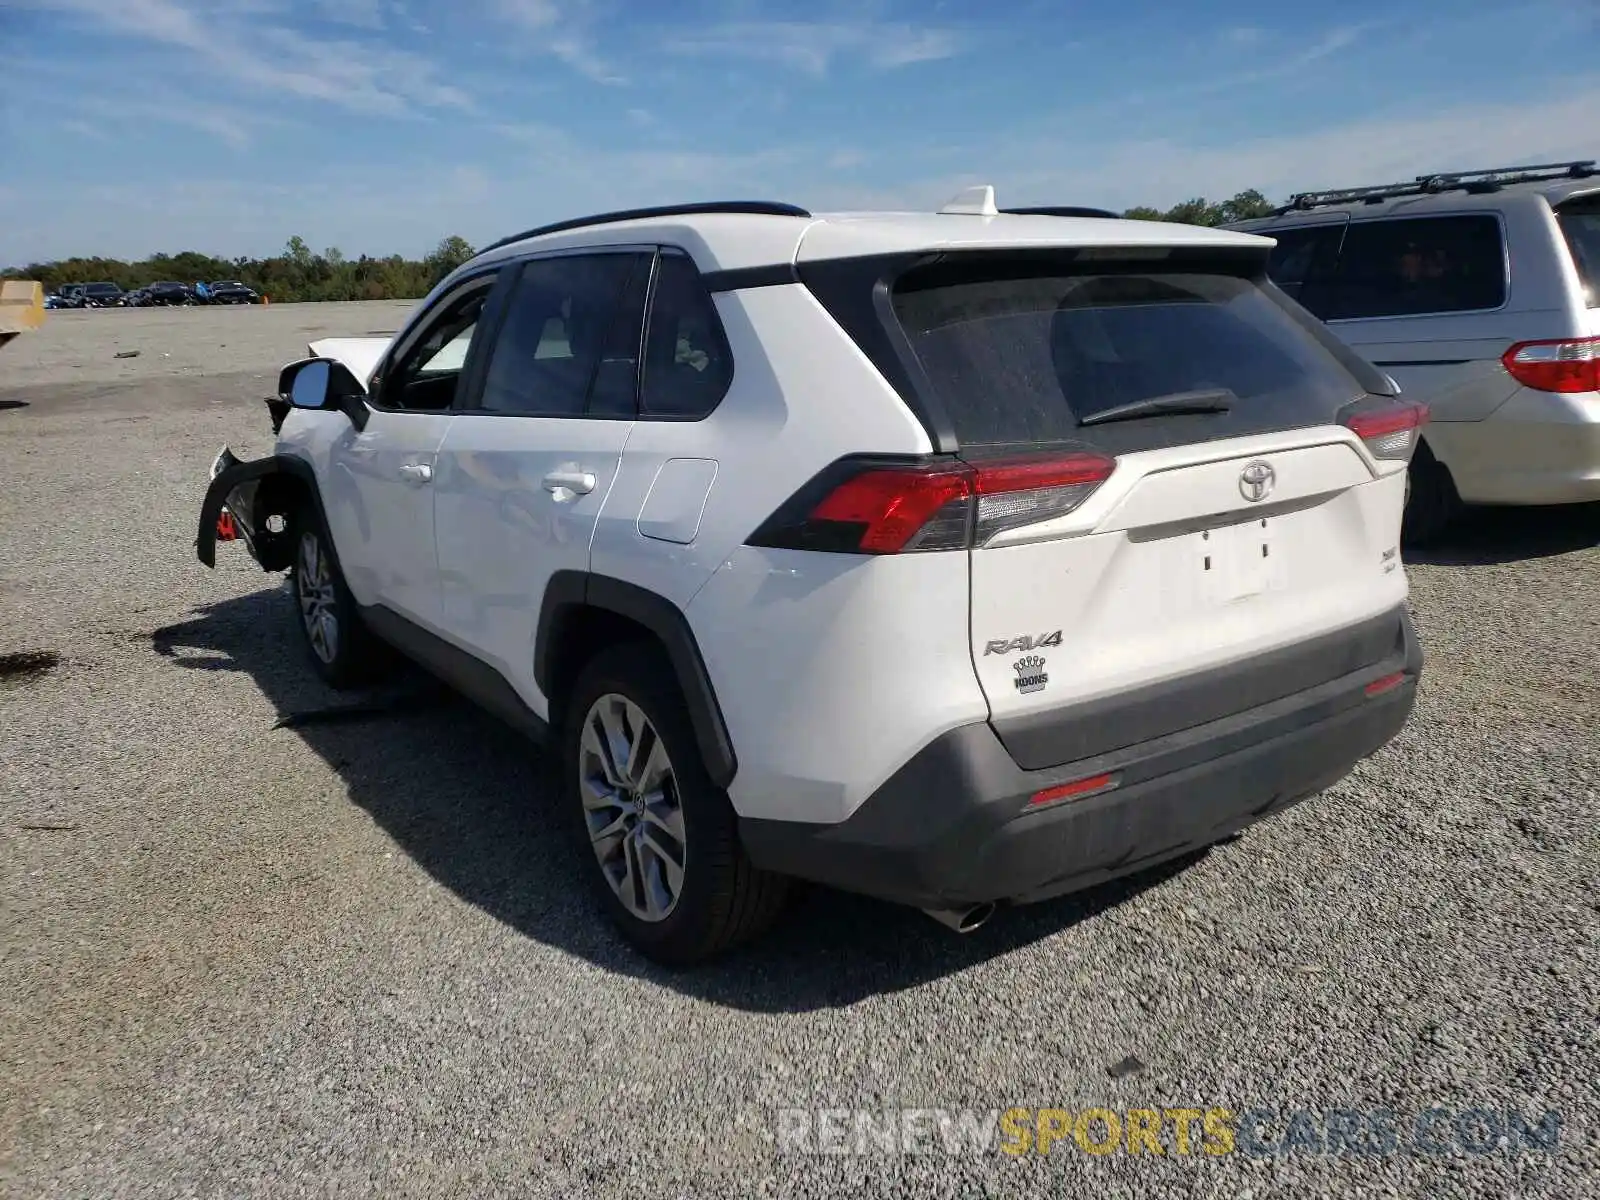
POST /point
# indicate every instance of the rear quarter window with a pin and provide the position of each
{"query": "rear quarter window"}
(1580, 222)
(1025, 358)
(1417, 266)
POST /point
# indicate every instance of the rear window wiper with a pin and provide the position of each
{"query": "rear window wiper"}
(1208, 400)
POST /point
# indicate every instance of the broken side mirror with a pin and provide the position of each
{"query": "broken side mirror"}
(325, 384)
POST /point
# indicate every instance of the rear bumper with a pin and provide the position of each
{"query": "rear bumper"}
(1536, 448)
(953, 827)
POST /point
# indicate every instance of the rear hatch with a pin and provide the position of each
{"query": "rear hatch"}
(1237, 541)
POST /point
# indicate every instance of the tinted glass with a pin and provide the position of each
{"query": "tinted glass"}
(426, 379)
(557, 324)
(1303, 257)
(688, 365)
(1417, 266)
(1023, 359)
(615, 390)
(1581, 223)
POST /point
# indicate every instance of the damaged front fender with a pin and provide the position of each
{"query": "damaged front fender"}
(257, 503)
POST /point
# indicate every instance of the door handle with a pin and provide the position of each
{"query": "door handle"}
(574, 480)
(417, 473)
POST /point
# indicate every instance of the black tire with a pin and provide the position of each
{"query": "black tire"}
(1432, 502)
(723, 899)
(357, 656)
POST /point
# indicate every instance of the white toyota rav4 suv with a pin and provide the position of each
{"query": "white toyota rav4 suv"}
(955, 558)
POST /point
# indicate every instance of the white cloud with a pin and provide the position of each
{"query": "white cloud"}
(1374, 149)
(576, 51)
(84, 129)
(273, 58)
(363, 14)
(813, 46)
(530, 14)
(565, 34)
(134, 115)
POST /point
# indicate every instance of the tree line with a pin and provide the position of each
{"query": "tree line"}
(298, 273)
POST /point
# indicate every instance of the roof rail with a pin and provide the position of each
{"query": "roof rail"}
(761, 208)
(1060, 210)
(1491, 180)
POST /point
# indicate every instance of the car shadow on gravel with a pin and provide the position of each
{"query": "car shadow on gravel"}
(1483, 536)
(467, 799)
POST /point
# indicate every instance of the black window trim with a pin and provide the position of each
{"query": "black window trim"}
(1505, 263)
(721, 332)
(469, 399)
(422, 324)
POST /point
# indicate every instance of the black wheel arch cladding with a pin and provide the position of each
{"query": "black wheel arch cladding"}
(261, 471)
(569, 593)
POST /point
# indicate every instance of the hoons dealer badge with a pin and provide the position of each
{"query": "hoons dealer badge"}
(1030, 674)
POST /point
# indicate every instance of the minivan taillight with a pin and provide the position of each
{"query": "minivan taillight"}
(1391, 432)
(1560, 365)
(877, 507)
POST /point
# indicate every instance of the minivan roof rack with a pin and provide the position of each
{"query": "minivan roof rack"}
(1491, 180)
(760, 208)
(1060, 210)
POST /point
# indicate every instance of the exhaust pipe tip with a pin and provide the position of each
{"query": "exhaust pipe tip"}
(963, 920)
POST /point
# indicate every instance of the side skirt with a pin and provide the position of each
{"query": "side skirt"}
(475, 680)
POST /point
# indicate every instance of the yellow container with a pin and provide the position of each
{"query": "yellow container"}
(21, 307)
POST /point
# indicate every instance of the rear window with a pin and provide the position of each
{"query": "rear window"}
(1581, 223)
(1024, 358)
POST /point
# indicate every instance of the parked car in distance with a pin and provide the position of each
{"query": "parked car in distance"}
(1479, 292)
(102, 295)
(136, 298)
(169, 293)
(70, 296)
(231, 291)
(954, 558)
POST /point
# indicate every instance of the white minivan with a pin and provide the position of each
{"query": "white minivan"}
(1479, 293)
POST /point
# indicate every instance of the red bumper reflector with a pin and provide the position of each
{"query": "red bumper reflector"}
(1387, 684)
(227, 531)
(1076, 790)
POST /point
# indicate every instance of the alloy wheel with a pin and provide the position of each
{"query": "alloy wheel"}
(631, 807)
(313, 582)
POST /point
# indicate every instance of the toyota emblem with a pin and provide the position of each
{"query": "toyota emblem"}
(1256, 480)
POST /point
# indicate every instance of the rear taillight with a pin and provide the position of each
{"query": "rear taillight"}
(1562, 365)
(945, 504)
(1392, 431)
(886, 511)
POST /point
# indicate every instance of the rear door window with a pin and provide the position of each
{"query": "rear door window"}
(1580, 222)
(1417, 266)
(1021, 358)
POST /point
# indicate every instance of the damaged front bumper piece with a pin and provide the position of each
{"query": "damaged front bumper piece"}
(251, 502)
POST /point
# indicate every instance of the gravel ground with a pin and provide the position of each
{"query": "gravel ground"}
(348, 958)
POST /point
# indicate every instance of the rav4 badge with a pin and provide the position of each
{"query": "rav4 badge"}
(1013, 645)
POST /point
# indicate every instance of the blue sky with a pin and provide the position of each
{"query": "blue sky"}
(379, 126)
